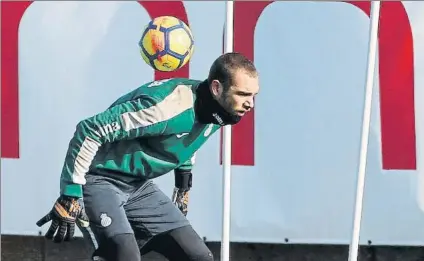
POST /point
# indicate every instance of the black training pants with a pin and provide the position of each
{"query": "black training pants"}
(129, 218)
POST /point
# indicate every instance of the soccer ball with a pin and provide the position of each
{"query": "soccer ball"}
(166, 43)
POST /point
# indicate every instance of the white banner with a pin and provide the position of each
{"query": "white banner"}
(69, 60)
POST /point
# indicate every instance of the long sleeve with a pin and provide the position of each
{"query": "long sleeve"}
(140, 117)
(188, 165)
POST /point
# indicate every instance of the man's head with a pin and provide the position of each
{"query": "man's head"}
(234, 82)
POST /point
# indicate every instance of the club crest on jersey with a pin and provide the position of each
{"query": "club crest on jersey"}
(105, 220)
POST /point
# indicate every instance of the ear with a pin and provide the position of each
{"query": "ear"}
(216, 88)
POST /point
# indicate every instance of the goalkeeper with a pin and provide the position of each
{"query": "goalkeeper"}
(106, 183)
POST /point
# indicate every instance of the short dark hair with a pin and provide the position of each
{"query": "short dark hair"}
(224, 66)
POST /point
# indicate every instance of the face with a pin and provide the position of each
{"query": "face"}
(238, 99)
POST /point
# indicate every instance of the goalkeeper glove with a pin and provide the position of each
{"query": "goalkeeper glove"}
(183, 182)
(180, 199)
(65, 212)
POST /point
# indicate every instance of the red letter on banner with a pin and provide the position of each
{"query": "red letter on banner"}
(11, 15)
(396, 70)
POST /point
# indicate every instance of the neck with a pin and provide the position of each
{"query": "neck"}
(208, 109)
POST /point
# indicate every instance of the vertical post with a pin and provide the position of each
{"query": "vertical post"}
(226, 160)
(369, 82)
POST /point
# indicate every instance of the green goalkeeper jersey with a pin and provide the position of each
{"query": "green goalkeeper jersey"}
(145, 133)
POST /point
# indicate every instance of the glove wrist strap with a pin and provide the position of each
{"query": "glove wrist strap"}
(183, 180)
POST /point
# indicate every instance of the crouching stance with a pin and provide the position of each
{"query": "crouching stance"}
(107, 186)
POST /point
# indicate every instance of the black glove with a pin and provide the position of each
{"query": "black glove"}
(63, 215)
(180, 199)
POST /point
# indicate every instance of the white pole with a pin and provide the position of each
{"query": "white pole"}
(226, 161)
(372, 51)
